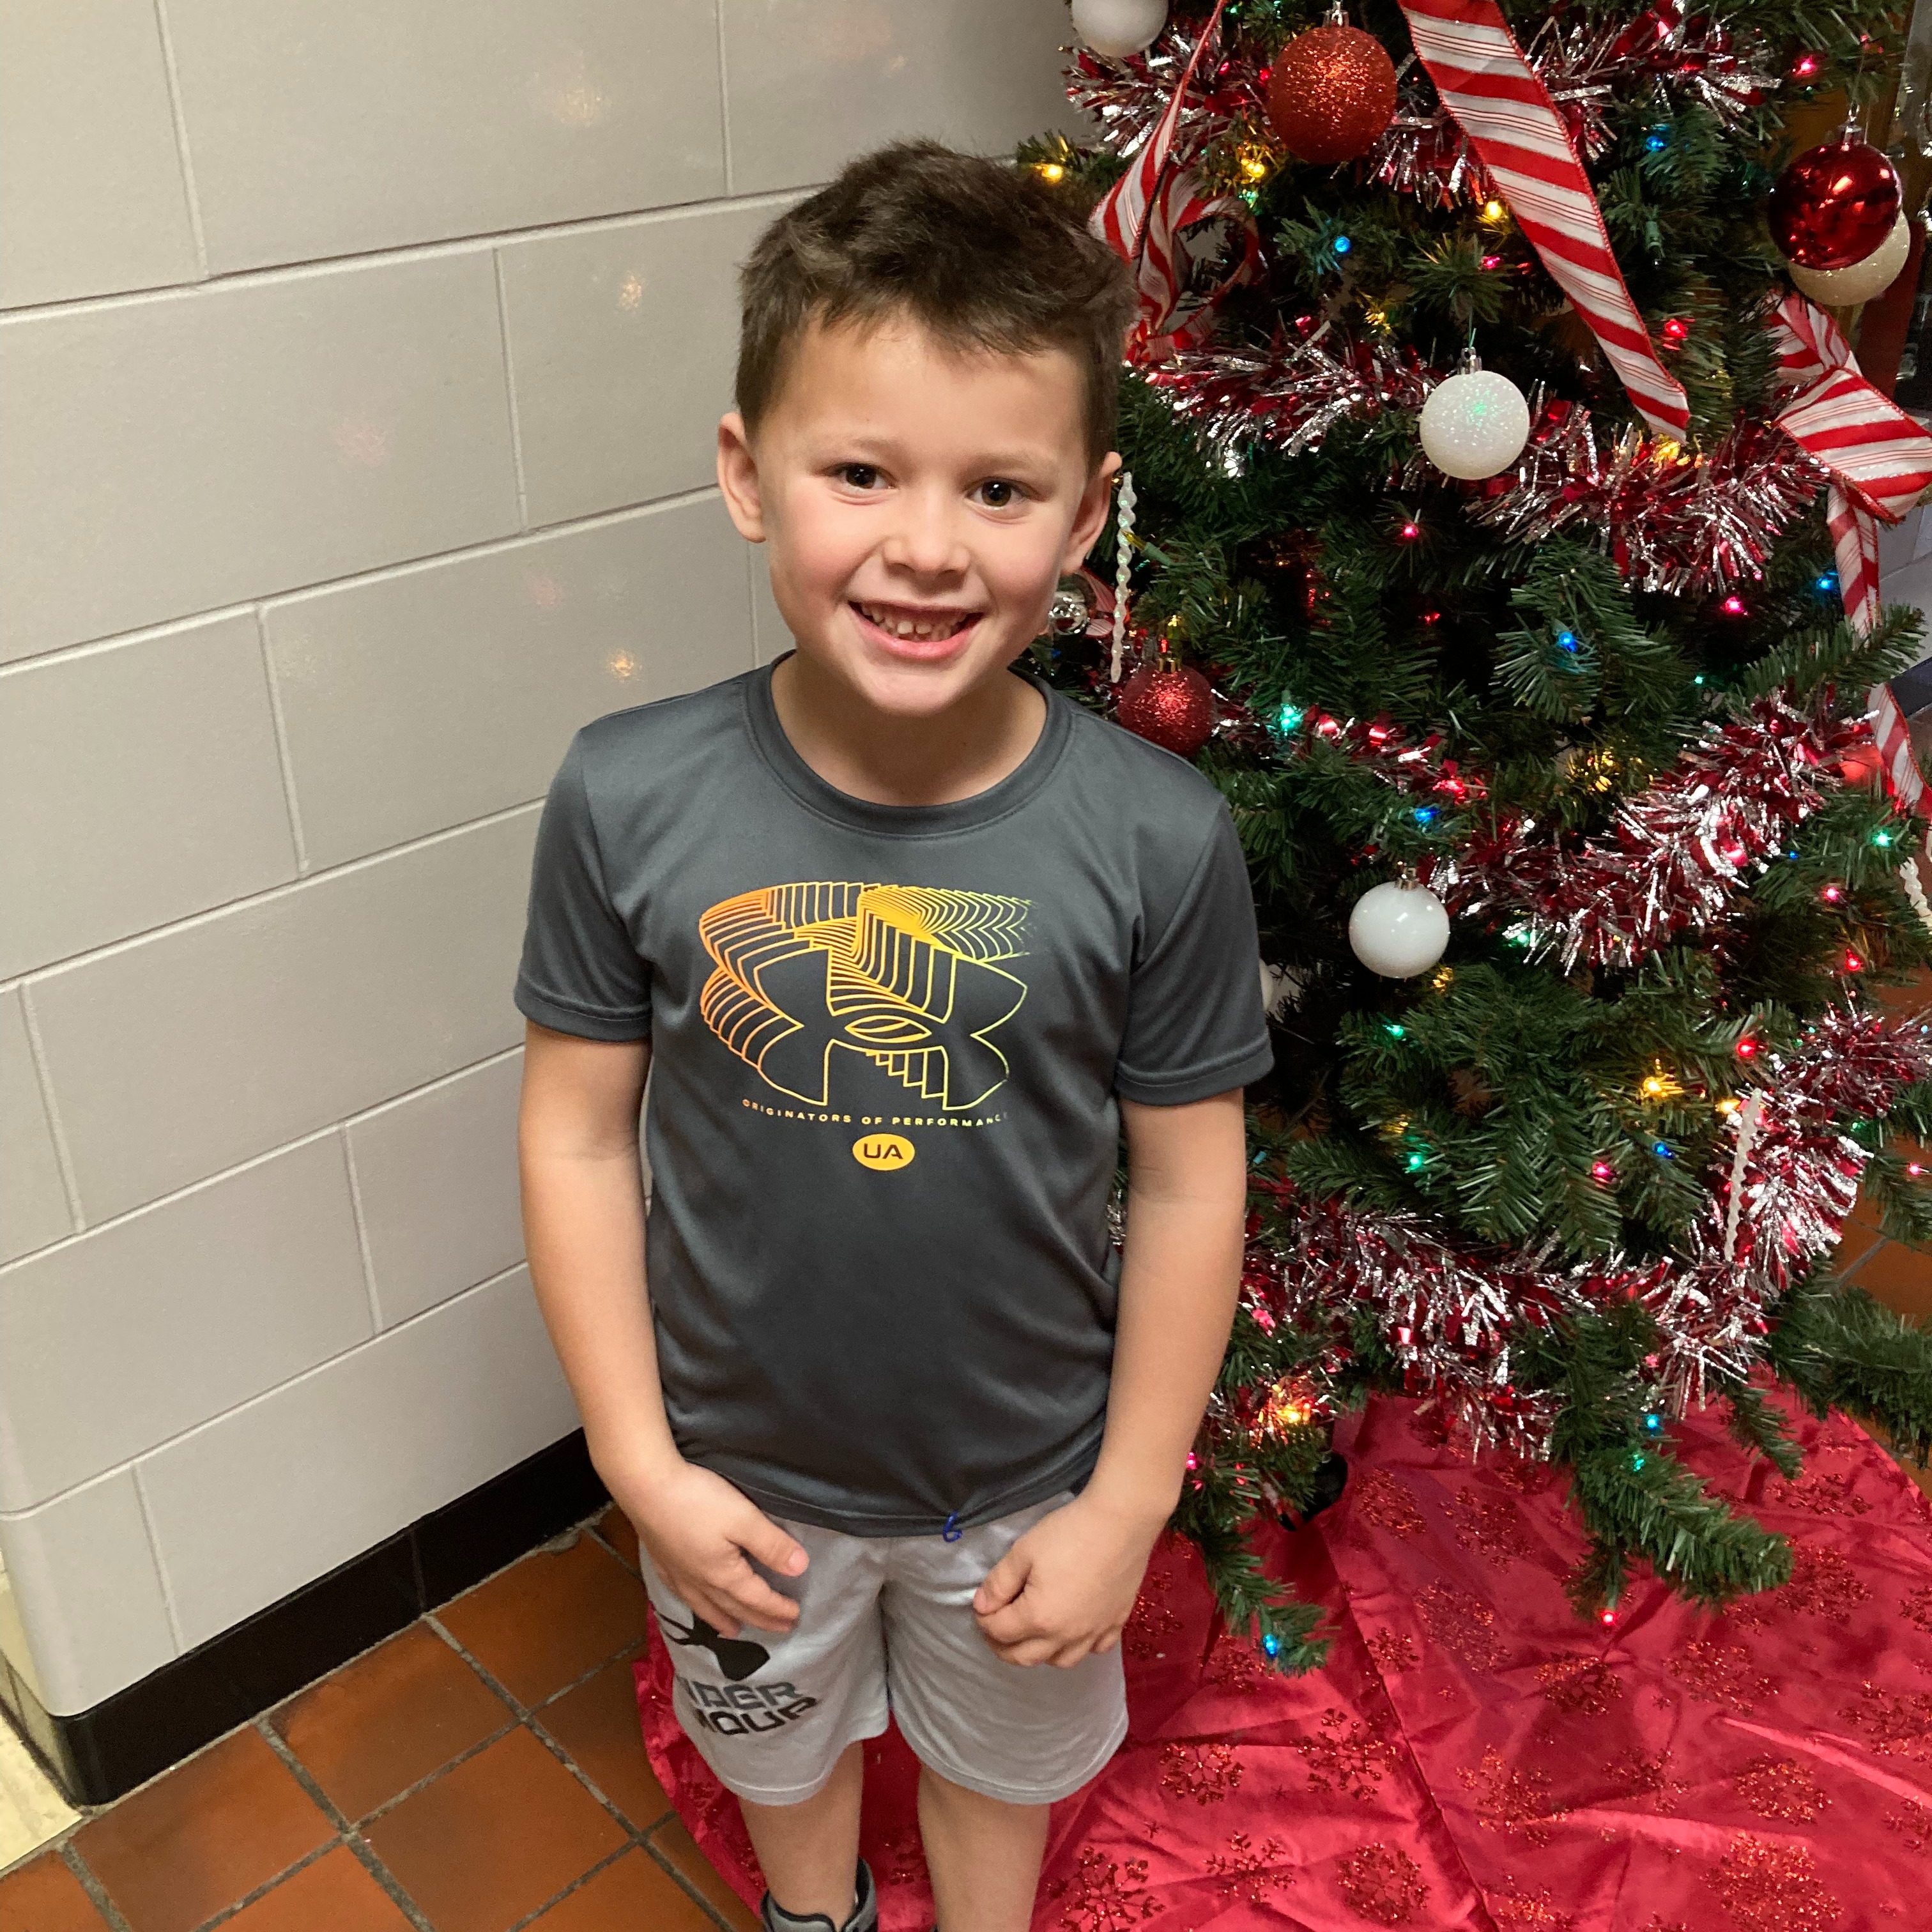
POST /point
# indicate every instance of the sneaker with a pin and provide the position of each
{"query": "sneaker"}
(864, 1916)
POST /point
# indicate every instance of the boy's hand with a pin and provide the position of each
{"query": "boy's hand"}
(699, 1531)
(1067, 1586)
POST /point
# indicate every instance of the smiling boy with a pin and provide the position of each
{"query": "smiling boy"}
(908, 943)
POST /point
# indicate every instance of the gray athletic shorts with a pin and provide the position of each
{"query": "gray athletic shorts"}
(886, 1625)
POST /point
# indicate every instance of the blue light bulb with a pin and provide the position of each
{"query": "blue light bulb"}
(1567, 639)
(1342, 244)
(1662, 1150)
(1826, 581)
(1425, 815)
(1271, 1644)
(1653, 1422)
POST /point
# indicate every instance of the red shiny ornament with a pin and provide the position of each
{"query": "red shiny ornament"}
(1169, 705)
(1331, 93)
(1833, 205)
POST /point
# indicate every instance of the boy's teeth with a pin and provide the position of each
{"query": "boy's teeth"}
(923, 629)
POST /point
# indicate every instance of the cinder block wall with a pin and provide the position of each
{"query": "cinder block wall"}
(356, 392)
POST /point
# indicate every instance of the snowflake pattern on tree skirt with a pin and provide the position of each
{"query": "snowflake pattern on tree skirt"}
(1473, 1756)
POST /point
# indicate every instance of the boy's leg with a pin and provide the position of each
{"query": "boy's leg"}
(996, 1744)
(984, 1856)
(780, 1716)
(810, 1852)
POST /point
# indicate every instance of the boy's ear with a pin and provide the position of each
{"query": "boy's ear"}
(738, 478)
(1092, 513)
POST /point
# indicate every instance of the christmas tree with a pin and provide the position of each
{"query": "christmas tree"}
(1500, 538)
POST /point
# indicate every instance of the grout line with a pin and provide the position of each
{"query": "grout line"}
(254, 901)
(36, 1051)
(362, 1235)
(576, 1885)
(96, 1892)
(691, 1890)
(724, 93)
(181, 1645)
(180, 117)
(383, 573)
(365, 1855)
(317, 266)
(284, 757)
(173, 1194)
(234, 1910)
(510, 390)
(314, 1369)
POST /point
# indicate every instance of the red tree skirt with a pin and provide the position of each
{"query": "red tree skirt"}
(1474, 1755)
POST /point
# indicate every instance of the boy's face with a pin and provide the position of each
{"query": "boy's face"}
(920, 505)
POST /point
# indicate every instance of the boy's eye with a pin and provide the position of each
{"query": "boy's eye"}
(996, 494)
(859, 475)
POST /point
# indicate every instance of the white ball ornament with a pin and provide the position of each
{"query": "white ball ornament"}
(1399, 930)
(1119, 27)
(1475, 423)
(1843, 288)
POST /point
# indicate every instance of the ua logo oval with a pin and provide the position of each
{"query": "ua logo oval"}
(883, 1152)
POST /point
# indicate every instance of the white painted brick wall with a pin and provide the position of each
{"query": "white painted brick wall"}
(358, 374)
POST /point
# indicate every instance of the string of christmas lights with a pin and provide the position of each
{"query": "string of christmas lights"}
(1455, 1320)
(1676, 850)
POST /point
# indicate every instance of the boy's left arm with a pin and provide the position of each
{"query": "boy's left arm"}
(1067, 1586)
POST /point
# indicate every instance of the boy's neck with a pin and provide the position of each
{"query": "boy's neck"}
(885, 759)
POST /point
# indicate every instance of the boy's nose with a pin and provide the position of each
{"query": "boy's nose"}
(926, 541)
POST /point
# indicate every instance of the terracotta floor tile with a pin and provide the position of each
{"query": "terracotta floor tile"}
(1900, 1276)
(488, 1842)
(547, 1619)
(336, 1892)
(614, 1526)
(202, 1835)
(46, 1897)
(680, 1849)
(597, 1725)
(378, 1725)
(633, 1895)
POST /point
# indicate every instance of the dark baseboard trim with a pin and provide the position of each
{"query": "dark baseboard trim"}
(98, 1754)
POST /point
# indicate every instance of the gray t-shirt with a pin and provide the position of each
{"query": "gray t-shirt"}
(887, 1044)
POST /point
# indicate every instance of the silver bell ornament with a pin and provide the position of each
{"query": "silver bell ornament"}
(1398, 929)
(1845, 288)
(1118, 27)
(1070, 609)
(1475, 422)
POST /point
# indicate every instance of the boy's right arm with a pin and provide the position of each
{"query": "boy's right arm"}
(584, 1229)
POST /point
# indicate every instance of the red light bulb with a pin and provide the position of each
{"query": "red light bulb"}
(1746, 1047)
(1853, 964)
(1410, 532)
(1676, 329)
(1606, 1618)
(1734, 606)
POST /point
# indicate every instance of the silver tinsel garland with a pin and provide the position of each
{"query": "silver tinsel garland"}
(1688, 522)
(1676, 851)
(1454, 1320)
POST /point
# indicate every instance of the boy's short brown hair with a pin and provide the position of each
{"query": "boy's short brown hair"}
(984, 256)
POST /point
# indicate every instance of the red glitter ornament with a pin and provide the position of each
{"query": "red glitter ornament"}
(1331, 93)
(1170, 705)
(1833, 205)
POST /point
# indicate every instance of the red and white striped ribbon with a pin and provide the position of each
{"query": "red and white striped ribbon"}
(1880, 461)
(1525, 147)
(1141, 218)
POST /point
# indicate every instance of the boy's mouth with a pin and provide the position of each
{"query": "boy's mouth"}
(917, 624)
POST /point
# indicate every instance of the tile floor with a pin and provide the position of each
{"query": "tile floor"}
(480, 1772)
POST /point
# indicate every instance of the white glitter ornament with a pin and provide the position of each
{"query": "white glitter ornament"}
(1119, 27)
(1476, 422)
(1399, 930)
(1843, 288)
